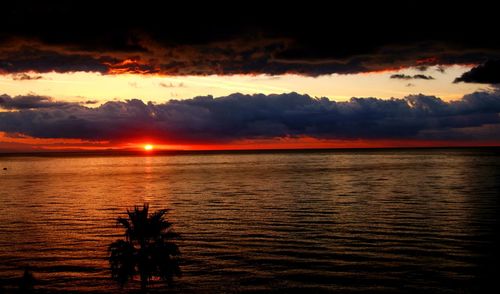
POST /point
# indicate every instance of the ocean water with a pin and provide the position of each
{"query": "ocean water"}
(393, 221)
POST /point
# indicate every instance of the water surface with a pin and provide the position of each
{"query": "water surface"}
(345, 222)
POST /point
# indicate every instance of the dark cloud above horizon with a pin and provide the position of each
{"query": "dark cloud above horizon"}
(30, 102)
(487, 73)
(201, 38)
(414, 77)
(206, 119)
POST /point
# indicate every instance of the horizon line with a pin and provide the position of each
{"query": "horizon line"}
(138, 152)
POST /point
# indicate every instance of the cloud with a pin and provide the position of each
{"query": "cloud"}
(414, 77)
(171, 85)
(401, 77)
(25, 77)
(486, 73)
(235, 117)
(423, 77)
(301, 39)
(441, 69)
(89, 102)
(23, 102)
(32, 59)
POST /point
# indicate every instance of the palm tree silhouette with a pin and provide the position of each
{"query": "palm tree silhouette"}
(148, 250)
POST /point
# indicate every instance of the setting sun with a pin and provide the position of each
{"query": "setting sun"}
(148, 147)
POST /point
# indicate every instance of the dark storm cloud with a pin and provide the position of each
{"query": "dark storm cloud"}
(30, 102)
(188, 37)
(414, 77)
(238, 116)
(28, 58)
(487, 73)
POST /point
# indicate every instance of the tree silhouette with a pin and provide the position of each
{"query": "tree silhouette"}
(27, 282)
(148, 250)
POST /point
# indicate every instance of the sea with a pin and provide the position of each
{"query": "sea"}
(296, 221)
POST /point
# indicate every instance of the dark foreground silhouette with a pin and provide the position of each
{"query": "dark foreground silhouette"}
(148, 251)
(27, 282)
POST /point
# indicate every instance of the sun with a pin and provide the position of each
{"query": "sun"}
(148, 147)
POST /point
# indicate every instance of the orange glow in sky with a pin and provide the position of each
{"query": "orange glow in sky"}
(82, 86)
(26, 143)
(93, 89)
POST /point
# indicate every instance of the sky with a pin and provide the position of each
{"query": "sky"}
(88, 75)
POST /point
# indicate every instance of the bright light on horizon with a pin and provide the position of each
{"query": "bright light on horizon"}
(148, 147)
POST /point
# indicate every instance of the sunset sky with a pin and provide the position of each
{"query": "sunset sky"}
(84, 75)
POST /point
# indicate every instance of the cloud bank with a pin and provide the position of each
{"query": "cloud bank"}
(193, 38)
(237, 117)
(487, 73)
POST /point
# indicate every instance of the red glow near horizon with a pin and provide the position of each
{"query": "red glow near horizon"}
(427, 61)
(26, 143)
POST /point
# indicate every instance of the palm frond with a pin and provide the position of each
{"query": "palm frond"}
(148, 251)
